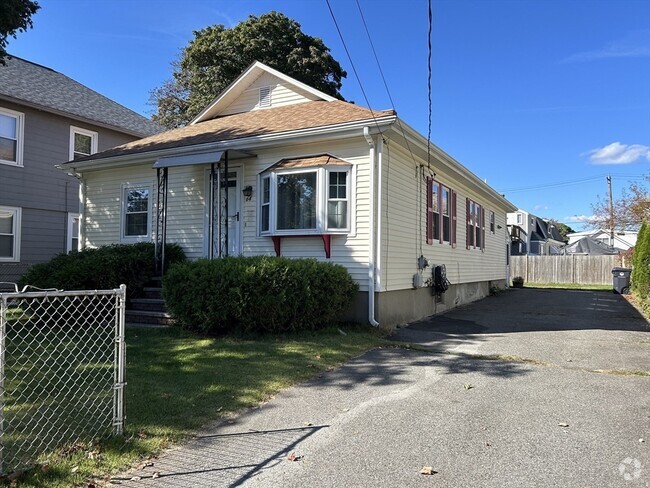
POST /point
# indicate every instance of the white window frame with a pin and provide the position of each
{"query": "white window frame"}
(520, 219)
(20, 136)
(322, 189)
(17, 217)
(94, 138)
(69, 237)
(125, 188)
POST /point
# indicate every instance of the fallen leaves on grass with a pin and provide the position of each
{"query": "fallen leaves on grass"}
(427, 470)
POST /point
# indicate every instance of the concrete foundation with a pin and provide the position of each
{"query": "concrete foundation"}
(393, 308)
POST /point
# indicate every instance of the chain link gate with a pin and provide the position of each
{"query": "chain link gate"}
(62, 367)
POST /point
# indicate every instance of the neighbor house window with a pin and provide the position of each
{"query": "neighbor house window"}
(441, 213)
(306, 196)
(520, 219)
(73, 232)
(10, 234)
(475, 225)
(136, 212)
(82, 142)
(11, 137)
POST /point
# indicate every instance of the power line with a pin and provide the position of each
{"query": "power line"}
(569, 183)
(352, 64)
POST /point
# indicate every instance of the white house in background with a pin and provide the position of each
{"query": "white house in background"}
(530, 234)
(275, 167)
(623, 239)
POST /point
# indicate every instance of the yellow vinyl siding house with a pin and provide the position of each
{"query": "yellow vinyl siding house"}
(275, 167)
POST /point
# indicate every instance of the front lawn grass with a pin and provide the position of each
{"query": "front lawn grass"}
(178, 382)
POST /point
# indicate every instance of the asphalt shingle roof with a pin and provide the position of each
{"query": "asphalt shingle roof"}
(248, 124)
(34, 84)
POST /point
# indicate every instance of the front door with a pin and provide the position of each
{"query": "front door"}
(221, 229)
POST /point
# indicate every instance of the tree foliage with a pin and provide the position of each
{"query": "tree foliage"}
(630, 210)
(641, 263)
(15, 16)
(217, 55)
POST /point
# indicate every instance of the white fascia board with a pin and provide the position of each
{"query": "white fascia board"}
(301, 136)
(240, 84)
(413, 136)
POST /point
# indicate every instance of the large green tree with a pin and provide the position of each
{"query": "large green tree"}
(631, 209)
(15, 16)
(217, 55)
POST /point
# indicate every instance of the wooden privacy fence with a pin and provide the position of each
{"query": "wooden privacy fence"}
(584, 270)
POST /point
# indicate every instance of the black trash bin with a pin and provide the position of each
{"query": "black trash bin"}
(621, 280)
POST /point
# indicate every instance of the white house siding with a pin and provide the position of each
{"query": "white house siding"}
(404, 227)
(281, 94)
(351, 250)
(186, 207)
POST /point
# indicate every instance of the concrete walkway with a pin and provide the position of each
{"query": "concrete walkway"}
(531, 388)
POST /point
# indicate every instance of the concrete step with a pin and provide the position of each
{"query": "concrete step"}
(152, 304)
(148, 317)
(152, 292)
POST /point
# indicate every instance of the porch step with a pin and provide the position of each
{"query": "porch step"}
(148, 317)
(151, 304)
(152, 292)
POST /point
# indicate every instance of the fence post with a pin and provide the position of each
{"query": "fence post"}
(120, 361)
(3, 331)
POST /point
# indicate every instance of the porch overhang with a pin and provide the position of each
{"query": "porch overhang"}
(188, 159)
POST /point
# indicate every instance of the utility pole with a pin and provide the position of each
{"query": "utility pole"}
(611, 212)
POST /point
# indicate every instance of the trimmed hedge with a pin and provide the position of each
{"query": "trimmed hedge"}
(103, 268)
(257, 294)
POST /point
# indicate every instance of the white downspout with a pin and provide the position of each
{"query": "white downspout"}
(380, 161)
(371, 230)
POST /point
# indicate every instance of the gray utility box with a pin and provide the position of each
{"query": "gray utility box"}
(621, 280)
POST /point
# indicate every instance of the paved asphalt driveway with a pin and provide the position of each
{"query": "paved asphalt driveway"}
(531, 388)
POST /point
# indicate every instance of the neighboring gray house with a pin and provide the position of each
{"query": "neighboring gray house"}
(532, 235)
(46, 118)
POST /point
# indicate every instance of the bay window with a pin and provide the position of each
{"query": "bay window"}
(305, 200)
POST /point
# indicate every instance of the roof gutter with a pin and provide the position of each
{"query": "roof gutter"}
(371, 233)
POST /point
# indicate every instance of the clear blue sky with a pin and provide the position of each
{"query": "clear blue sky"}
(526, 94)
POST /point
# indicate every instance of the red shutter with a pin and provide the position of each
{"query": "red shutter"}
(467, 223)
(440, 217)
(482, 229)
(453, 218)
(429, 212)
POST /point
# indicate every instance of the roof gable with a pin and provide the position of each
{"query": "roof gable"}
(242, 95)
(28, 83)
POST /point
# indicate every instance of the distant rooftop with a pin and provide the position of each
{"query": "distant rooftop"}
(42, 87)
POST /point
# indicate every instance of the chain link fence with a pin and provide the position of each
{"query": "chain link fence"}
(62, 362)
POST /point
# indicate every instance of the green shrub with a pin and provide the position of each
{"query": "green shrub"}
(260, 294)
(103, 268)
(641, 263)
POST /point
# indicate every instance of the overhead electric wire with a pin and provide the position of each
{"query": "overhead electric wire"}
(381, 72)
(571, 182)
(352, 64)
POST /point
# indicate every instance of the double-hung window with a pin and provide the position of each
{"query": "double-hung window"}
(441, 213)
(83, 142)
(475, 225)
(73, 232)
(10, 234)
(306, 196)
(11, 137)
(136, 213)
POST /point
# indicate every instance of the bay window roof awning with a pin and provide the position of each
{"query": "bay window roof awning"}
(189, 159)
(308, 162)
